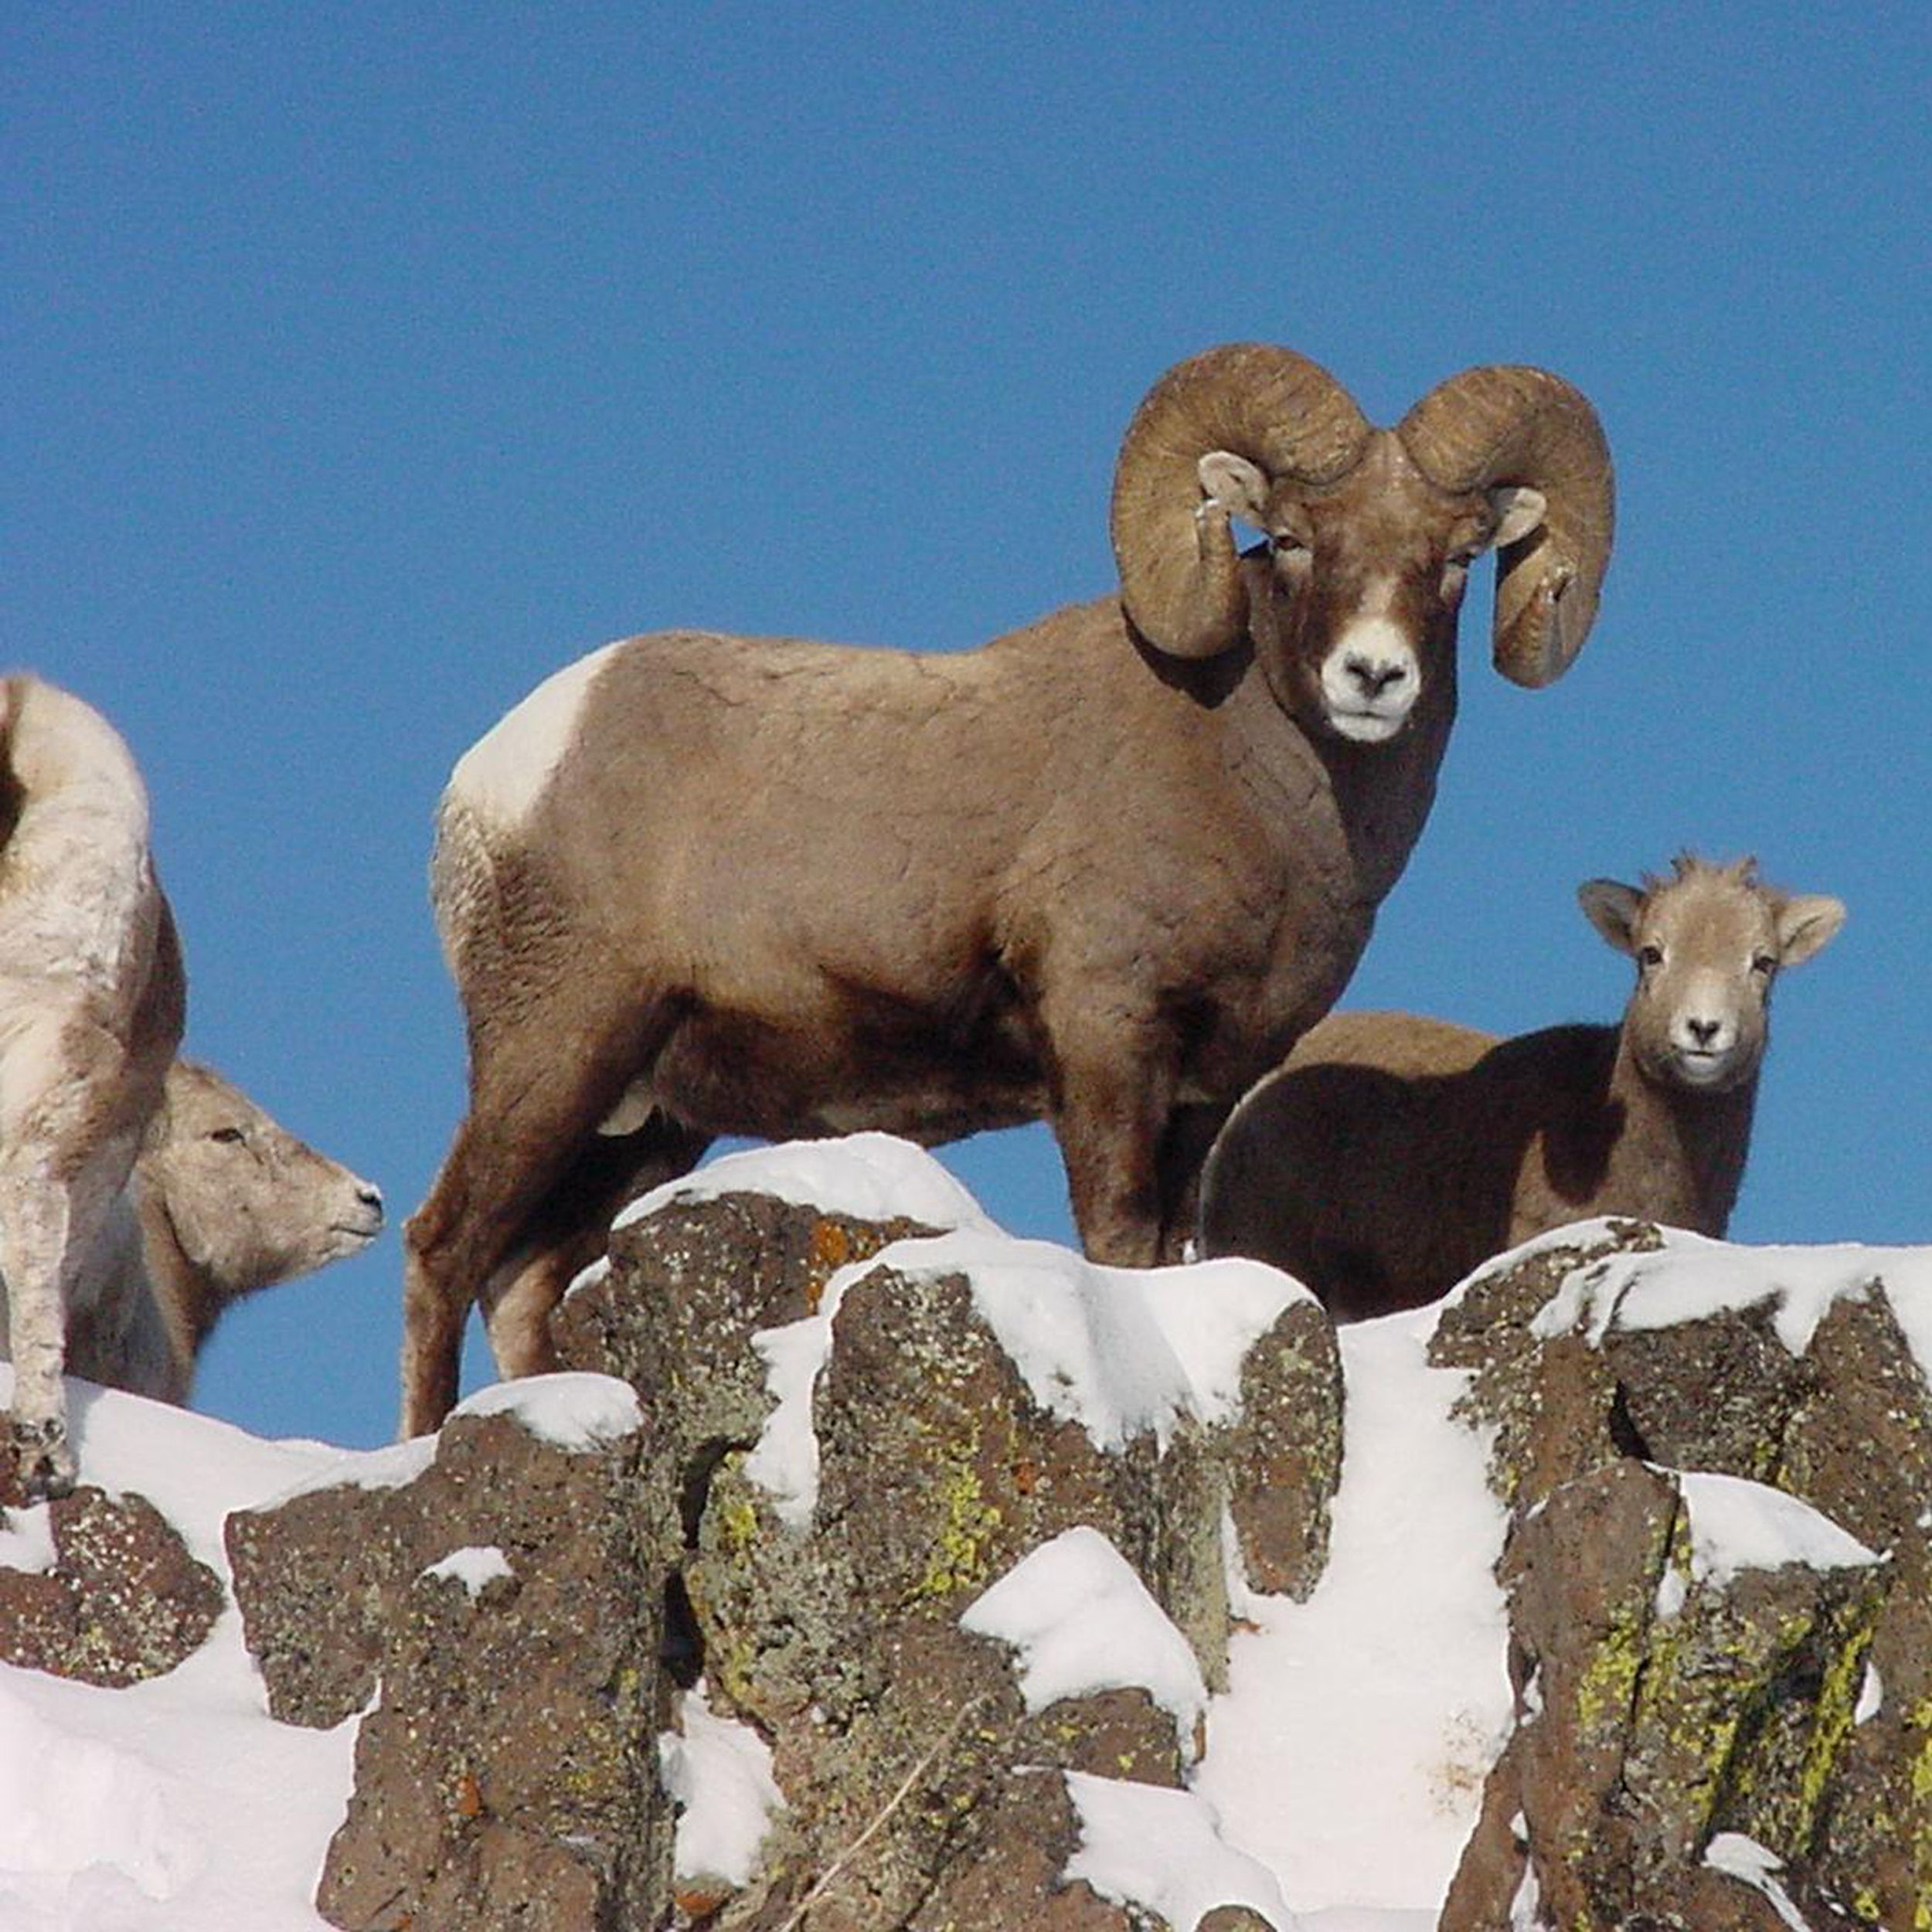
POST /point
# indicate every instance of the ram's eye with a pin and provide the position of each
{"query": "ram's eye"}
(229, 1136)
(1650, 955)
(1286, 542)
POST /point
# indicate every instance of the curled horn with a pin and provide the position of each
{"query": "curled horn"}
(1506, 425)
(1180, 579)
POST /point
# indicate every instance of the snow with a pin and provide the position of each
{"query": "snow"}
(475, 1568)
(867, 1177)
(717, 1772)
(1743, 1858)
(1083, 1621)
(1122, 1351)
(1871, 1696)
(1145, 1845)
(1342, 1768)
(1348, 1752)
(1692, 1277)
(1735, 1526)
(26, 1540)
(571, 1410)
(176, 1804)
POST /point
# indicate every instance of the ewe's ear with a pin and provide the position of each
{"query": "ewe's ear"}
(1612, 909)
(1519, 509)
(1804, 926)
(1237, 485)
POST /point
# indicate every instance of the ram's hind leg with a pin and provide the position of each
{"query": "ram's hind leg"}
(572, 1230)
(516, 1140)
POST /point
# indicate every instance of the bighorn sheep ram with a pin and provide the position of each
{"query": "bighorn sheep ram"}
(224, 1201)
(1391, 1155)
(1101, 871)
(92, 997)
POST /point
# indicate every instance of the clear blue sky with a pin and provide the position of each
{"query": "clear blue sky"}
(362, 367)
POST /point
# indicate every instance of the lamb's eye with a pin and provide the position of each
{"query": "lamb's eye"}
(1763, 963)
(1650, 955)
(229, 1136)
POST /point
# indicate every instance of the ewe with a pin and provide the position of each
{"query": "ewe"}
(224, 1201)
(91, 1001)
(1390, 1155)
(1102, 871)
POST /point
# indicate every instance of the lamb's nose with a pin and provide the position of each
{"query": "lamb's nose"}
(1703, 1031)
(370, 1197)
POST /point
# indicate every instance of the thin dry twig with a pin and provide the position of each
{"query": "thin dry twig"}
(826, 1878)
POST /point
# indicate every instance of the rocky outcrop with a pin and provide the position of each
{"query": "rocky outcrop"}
(869, 1568)
(493, 1608)
(856, 1426)
(120, 1601)
(931, 1438)
(1778, 1706)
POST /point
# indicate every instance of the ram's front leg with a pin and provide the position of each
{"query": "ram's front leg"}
(1111, 1116)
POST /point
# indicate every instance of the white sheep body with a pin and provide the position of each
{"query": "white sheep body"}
(92, 997)
(1390, 1154)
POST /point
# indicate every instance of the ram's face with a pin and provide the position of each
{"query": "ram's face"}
(1368, 575)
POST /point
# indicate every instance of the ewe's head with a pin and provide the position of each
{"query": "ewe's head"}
(1708, 941)
(249, 1204)
(1370, 533)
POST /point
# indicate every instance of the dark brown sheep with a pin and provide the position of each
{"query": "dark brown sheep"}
(1390, 1155)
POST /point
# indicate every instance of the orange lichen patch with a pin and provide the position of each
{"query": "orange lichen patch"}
(697, 1902)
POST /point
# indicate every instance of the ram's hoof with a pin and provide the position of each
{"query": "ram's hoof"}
(43, 1459)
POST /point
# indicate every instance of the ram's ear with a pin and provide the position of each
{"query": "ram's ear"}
(1234, 483)
(1804, 926)
(1612, 909)
(1519, 509)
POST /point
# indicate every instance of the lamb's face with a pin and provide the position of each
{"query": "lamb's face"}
(250, 1203)
(1709, 944)
(1368, 575)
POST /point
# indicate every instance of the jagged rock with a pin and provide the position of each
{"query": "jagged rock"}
(830, 1622)
(691, 1283)
(504, 1601)
(124, 1601)
(1585, 1352)
(1661, 1702)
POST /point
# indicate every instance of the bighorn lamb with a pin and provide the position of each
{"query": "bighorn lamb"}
(92, 997)
(1391, 1155)
(1102, 870)
(224, 1201)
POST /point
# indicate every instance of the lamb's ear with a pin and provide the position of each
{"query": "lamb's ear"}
(1804, 926)
(1612, 909)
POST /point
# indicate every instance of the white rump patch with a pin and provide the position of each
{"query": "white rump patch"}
(502, 776)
